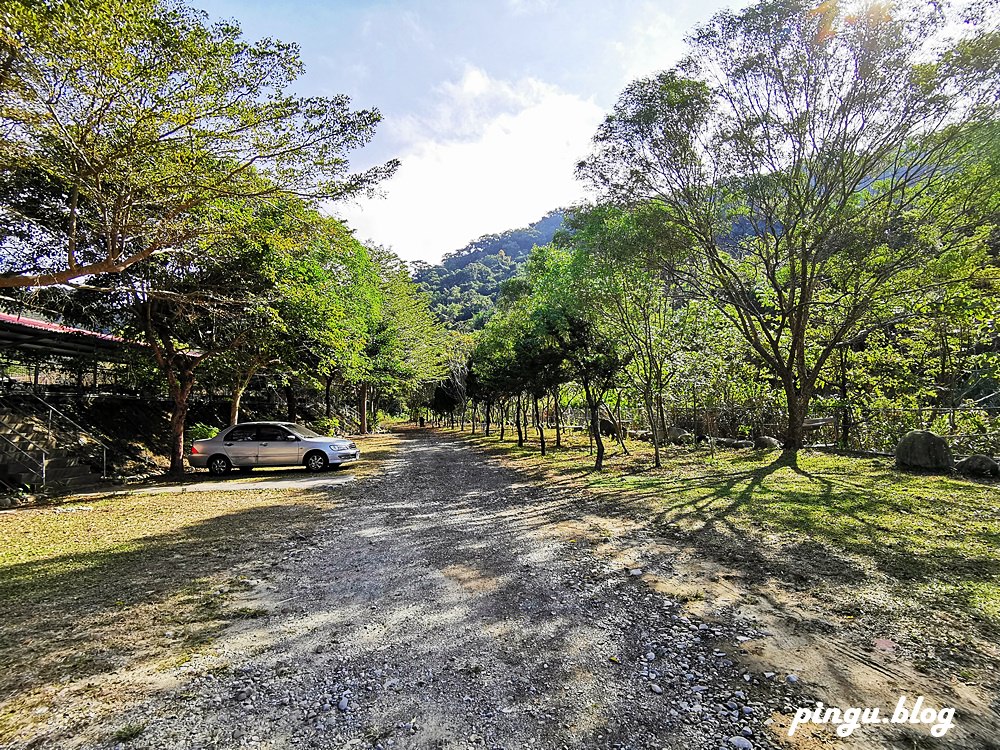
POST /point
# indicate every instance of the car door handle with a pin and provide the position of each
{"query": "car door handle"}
(263, 443)
(229, 445)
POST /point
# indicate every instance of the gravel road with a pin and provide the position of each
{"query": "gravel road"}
(448, 603)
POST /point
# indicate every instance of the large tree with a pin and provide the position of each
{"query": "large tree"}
(810, 155)
(633, 253)
(121, 119)
(404, 345)
(313, 317)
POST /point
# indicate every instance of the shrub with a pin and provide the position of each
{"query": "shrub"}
(201, 432)
(326, 425)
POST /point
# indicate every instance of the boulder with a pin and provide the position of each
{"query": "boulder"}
(677, 435)
(920, 449)
(743, 444)
(765, 442)
(978, 465)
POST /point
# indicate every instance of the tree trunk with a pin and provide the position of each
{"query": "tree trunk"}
(618, 423)
(517, 422)
(234, 403)
(180, 392)
(595, 426)
(555, 401)
(798, 406)
(660, 431)
(503, 421)
(363, 409)
(540, 426)
(236, 395)
(590, 432)
(648, 401)
(525, 418)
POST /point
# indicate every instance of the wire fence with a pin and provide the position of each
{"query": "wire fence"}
(968, 428)
(66, 376)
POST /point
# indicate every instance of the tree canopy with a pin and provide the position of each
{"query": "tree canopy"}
(122, 120)
(810, 160)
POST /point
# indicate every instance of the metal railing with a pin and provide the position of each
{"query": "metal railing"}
(53, 411)
(32, 459)
(54, 422)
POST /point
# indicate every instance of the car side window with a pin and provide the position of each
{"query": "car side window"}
(242, 434)
(272, 434)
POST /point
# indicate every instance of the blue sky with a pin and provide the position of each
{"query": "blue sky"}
(487, 103)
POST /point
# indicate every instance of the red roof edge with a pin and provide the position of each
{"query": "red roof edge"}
(44, 325)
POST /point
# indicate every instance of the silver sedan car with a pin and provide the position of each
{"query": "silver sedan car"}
(252, 444)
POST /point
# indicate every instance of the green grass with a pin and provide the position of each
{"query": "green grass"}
(128, 733)
(131, 581)
(915, 552)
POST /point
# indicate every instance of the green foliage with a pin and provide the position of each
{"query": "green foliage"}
(199, 431)
(815, 171)
(128, 732)
(404, 345)
(125, 119)
(326, 425)
(465, 286)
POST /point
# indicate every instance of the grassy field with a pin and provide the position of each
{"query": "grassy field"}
(96, 593)
(916, 555)
(131, 582)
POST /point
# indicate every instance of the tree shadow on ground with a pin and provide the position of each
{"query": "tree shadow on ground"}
(783, 520)
(448, 574)
(82, 615)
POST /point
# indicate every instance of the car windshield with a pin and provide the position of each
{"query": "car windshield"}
(301, 431)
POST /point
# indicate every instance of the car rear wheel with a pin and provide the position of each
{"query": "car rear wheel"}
(218, 466)
(316, 461)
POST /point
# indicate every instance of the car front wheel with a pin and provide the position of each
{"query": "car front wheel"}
(218, 466)
(316, 462)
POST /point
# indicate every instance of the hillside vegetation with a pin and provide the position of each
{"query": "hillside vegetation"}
(465, 286)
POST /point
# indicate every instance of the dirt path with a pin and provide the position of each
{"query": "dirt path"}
(448, 603)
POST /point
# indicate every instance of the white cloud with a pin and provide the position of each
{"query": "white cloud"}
(465, 108)
(524, 7)
(655, 42)
(494, 155)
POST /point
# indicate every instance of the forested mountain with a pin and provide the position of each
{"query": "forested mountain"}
(465, 286)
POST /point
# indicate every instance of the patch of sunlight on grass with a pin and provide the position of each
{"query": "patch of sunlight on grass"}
(911, 527)
(90, 586)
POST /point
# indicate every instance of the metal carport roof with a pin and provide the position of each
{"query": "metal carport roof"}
(42, 337)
